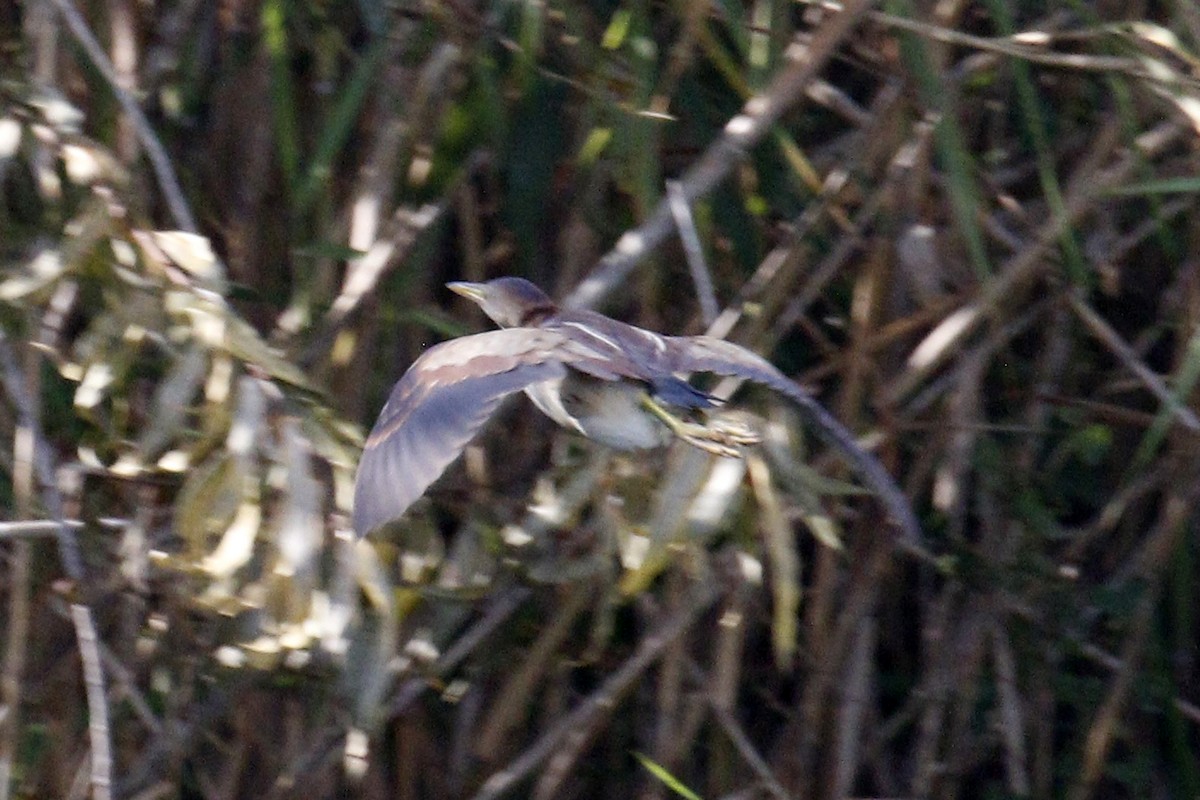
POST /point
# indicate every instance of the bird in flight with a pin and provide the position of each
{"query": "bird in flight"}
(612, 382)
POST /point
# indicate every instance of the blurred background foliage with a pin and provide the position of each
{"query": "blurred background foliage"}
(970, 231)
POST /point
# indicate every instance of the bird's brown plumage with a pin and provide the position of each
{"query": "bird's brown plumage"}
(440, 404)
(449, 393)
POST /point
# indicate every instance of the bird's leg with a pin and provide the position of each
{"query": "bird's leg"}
(721, 437)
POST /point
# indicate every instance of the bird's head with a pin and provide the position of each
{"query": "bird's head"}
(509, 302)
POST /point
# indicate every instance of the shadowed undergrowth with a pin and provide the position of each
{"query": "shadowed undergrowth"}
(968, 230)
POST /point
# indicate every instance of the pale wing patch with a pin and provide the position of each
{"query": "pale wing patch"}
(522, 344)
(591, 332)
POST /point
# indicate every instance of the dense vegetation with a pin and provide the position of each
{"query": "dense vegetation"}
(966, 227)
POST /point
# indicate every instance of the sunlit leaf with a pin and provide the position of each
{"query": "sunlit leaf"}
(784, 563)
(300, 530)
(190, 252)
(208, 500)
(42, 270)
(10, 137)
(237, 544)
(668, 780)
(245, 343)
(593, 146)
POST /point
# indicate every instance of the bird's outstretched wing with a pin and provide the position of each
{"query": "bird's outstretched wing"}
(437, 408)
(706, 354)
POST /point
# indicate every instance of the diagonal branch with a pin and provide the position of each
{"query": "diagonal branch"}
(155, 152)
(583, 720)
(741, 134)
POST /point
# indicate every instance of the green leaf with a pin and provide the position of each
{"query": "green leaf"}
(340, 125)
(1181, 185)
(617, 30)
(283, 93)
(668, 780)
(593, 146)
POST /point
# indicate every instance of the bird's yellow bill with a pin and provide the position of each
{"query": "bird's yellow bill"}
(471, 291)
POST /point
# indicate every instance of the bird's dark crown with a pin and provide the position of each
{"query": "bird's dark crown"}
(522, 291)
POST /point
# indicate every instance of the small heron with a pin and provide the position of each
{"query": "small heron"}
(612, 382)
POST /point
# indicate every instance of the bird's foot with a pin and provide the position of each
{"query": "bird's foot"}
(722, 437)
(734, 430)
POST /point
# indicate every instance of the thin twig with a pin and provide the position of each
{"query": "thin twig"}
(33, 528)
(1113, 663)
(1031, 46)
(512, 700)
(17, 634)
(1104, 727)
(383, 245)
(43, 460)
(93, 679)
(853, 706)
(1129, 359)
(1088, 187)
(166, 750)
(582, 721)
(502, 607)
(72, 561)
(738, 737)
(741, 134)
(681, 210)
(668, 701)
(859, 599)
(127, 690)
(1008, 698)
(16, 645)
(159, 162)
